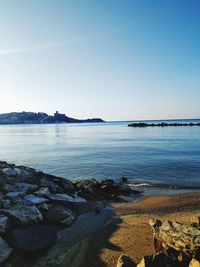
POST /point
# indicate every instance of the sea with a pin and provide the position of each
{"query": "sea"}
(164, 155)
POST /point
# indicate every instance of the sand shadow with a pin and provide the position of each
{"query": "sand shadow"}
(99, 241)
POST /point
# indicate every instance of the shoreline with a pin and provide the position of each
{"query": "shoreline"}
(160, 204)
(34, 201)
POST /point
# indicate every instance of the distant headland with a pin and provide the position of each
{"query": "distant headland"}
(40, 118)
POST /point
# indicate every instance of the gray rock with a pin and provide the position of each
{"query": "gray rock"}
(53, 187)
(67, 186)
(60, 198)
(10, 172)
(11, 180)
(33, 200)
(79, 200)
(13, 195)
(2, 181)
(6, 203)
(4, 224)
(179, 242)
(23, 215)
(5, 251)
(8, 188)
(27, 175)
(24, 173)
(32, 238)
(19, 202)
(44, 207)
(25, 188)
(60, 214)
(3, 164)
(1, 196)
(42, 192)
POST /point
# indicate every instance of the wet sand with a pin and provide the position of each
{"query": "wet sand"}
(129, 232)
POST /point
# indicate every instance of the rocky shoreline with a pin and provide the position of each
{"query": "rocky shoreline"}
(38, 212)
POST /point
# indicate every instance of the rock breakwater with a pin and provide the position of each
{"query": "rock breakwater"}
(35, 207)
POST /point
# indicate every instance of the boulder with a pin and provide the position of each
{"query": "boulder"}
(33, 200)
(67, 186)
(125, 261)
(13, 195)
(179, 242)
(42, 192)
(59, 214)
(79, 200)
(8, 188)
(4, 224)
(25, 187)
(2, 181)
(1, 196)
(5, 251)
(53, 187)
(64, 184)
(23, 215)
(10, 172)
(32, 238)
(44, 207)
(27, 175)
(60, 198)
(3, 164)
(6, 203)
(104, 190)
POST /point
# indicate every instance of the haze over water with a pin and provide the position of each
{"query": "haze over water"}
(106, 150)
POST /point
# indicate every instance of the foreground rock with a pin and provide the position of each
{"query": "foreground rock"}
(23, 215)
(176, 245)
(59, 214)
(179, 242)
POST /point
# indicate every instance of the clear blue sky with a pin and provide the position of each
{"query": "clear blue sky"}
(115, 59)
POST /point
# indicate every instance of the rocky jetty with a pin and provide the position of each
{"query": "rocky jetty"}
(176, 245)
(162, 124)
(35, 208)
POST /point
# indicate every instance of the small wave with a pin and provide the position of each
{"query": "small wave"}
(140, 185)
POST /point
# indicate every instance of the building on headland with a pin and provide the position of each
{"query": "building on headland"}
(59, 117)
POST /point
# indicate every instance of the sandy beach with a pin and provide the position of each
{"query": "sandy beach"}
(129, 233)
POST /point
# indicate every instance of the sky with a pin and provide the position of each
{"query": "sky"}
(114, 59)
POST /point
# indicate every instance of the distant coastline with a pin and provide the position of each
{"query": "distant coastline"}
(40, 118)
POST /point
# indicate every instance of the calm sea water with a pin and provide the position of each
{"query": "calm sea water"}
(106, 150)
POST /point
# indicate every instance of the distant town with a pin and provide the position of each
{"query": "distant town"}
(40, 118)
